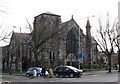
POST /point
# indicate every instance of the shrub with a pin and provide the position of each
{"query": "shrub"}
(93, 66)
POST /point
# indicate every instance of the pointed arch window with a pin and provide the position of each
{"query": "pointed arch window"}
(71, 42)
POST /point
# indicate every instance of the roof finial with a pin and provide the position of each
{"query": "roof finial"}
(72, 16)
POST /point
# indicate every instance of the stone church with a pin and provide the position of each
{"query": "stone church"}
(67, 46)
(63, 48)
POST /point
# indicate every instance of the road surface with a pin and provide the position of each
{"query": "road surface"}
(89, 77)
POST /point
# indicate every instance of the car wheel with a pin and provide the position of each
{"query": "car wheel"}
(38, 75)
(27, 75)
(71, 75)
(57, 75)
(79, 76)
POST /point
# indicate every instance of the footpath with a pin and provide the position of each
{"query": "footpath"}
(99, 72)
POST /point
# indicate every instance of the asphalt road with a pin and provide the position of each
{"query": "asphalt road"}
(89, 77)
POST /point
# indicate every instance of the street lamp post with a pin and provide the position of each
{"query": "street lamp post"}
(20, 51)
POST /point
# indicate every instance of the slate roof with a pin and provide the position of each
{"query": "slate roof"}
(26, 38)
(65, 23)
(48, 13)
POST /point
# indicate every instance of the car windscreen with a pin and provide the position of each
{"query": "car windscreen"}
(72, 68)
(39, 69)
(33, 68)
(30, 69)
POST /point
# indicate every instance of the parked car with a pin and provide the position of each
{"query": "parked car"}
(67, 71)
(38, 71)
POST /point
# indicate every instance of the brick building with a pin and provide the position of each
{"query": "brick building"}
(114, 58)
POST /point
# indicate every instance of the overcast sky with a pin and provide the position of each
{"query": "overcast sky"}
(19, 10)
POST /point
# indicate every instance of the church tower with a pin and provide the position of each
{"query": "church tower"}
(88, 43)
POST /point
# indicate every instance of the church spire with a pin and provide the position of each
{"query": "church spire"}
(88, 24)
(88, 43)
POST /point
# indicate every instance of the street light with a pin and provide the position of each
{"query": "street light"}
(20, 51)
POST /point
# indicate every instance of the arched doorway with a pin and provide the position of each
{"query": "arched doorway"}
(71, 48)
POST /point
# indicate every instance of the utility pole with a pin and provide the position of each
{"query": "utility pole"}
(20, 45)
(20, 52)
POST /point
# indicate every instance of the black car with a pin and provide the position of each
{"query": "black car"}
(67, 71)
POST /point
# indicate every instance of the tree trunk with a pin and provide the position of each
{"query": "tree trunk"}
(3, 64)
(36, 58)
(8, 63)
(109, 63)
(10, 72)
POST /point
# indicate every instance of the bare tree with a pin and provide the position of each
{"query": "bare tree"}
(106, 40)
(117, 43)
(13, 48)
(117, 40)
(6, 36)
(3, 33)
(39, 39)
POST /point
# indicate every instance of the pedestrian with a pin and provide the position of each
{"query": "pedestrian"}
(43, 71)
(116, 66)
(34, 73)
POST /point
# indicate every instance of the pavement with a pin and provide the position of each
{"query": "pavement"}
(99, 72)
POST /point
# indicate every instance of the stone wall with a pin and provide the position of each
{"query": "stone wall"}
(48, 27)
(59, 46)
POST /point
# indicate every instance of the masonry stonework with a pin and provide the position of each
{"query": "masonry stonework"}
(65, 45)
(62, 48)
